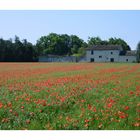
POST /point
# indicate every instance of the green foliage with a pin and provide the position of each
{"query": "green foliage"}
(119, 41)
(82, 51)
(59, 44)
(17, 51)
(138, 52)
(94, 41)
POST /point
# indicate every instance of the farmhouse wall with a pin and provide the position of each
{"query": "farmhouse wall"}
(127, 58)
(103, 55)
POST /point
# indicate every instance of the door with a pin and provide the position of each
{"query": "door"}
(91, 59)
(111, 59)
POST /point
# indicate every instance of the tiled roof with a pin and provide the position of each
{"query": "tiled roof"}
(130, 53)
(105, 47)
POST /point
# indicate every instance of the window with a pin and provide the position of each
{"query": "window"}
(111, 52)
(100, 56)
(126, 60)
(92, 52)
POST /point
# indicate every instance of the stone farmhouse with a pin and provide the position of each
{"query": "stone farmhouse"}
(109, 53)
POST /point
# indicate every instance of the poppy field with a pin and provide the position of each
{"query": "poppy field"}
(69, 96)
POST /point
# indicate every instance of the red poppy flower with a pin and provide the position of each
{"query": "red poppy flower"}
(109, 105)
(137, 124)
(94, 110)
(89, 106)
(86, 120)
(86, 125)
(22, 107)
(1, 105)
(122, 116)
(126, 108)
(131, 92)
(62, 99)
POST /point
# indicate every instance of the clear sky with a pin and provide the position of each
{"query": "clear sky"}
(105, 24)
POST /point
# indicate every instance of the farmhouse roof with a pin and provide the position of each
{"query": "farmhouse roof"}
(105, 47)
(130, 53)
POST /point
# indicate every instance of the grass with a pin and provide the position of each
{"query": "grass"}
(69, 96)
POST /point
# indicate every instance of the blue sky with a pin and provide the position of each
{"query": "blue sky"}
(105, 24)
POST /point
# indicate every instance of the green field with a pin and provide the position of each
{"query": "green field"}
(69, 96)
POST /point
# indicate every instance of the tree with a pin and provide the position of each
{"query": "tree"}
(17, 51)
(138, 52)
(59, 44)
(82, 51)
(119, 41)
(75, 43)
(2, 49)
(9, 51)
(53, 44)
(42, 44)
(65, 42)
(94, 41)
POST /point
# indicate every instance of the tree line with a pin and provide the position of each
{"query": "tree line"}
(17, 51)
(54, 44)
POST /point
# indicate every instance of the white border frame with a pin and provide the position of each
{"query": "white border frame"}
(69, 4)
(70, 135)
